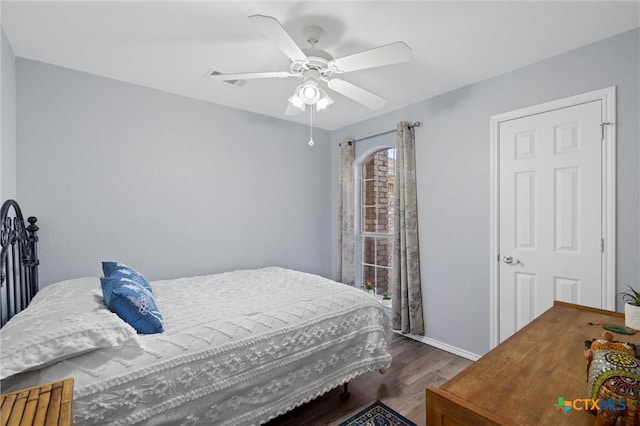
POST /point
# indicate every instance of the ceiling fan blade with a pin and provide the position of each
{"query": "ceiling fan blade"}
(215, 75)
(384, 55)
(275, 32)
(356, 93)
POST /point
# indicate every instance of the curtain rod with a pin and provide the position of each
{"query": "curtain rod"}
(416, 124)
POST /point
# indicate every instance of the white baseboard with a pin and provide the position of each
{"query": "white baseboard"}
(445, 347)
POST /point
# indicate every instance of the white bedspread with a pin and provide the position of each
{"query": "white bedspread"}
(239, 348)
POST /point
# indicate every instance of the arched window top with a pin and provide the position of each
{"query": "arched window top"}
(363, 156)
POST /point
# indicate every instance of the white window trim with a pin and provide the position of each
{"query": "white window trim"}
(358, 204)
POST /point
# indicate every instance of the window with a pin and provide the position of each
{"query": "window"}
(375, 241)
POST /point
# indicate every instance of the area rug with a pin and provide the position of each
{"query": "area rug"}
(377, 414)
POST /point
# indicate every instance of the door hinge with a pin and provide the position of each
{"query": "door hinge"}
(602, 245)
(602, 129)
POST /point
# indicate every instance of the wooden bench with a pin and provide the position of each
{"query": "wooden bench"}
(43, 405)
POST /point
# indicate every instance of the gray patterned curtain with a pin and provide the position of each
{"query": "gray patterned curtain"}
(406, 305)
(347, 246)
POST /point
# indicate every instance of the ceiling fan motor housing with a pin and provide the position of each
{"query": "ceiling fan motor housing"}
(317, 59)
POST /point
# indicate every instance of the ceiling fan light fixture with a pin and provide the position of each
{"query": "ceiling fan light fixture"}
(324, 102)
(310, 92)
(296, 100)
(293, 110)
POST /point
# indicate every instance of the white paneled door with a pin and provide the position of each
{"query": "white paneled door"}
(550, 213)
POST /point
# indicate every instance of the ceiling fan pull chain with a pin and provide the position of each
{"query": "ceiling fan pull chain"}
(311, 124)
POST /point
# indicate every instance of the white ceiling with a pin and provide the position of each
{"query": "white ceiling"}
(171, 45)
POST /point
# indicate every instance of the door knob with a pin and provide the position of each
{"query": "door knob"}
(509, 259)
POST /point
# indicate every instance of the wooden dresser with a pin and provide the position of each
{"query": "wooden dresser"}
(520, 381)
(42, 405)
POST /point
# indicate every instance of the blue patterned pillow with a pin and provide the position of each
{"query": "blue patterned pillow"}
(132, 302)
(120, 270)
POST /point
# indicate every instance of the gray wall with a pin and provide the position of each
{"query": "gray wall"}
(453, 177)
(175, 186)
(7, 120)
(169, 185)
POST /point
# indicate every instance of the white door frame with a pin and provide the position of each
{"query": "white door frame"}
(608, 98)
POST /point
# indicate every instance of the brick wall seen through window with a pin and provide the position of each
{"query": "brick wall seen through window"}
(376, 219)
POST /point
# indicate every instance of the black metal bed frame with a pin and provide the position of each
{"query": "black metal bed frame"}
(18, 260)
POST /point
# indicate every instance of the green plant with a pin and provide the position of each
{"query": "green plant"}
(386, 297)
(368, 285)
(632, 296)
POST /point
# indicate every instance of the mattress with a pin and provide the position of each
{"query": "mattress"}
(239, 348)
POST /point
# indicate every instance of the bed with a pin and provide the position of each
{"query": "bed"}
(240, 347)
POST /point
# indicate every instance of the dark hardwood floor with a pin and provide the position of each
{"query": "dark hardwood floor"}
(402, 388)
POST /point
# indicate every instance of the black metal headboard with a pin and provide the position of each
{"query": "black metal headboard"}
(18, 260)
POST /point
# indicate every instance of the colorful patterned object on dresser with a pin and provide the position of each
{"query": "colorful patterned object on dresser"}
(613, 376)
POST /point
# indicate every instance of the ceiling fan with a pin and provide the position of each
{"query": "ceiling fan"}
(316, 66)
